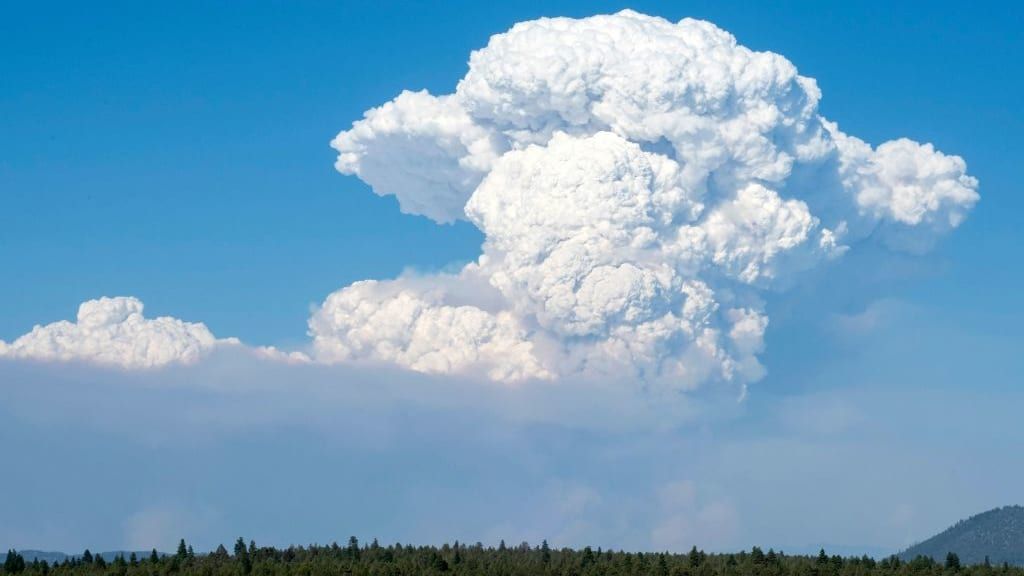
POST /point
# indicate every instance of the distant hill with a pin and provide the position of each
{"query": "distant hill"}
(51, 557)
(998, 534)
(30, 555)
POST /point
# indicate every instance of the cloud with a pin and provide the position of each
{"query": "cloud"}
(384, 321)
(639, 184)
(443, 153)
(113, 331)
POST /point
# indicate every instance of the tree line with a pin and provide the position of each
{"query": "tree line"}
(355, 559)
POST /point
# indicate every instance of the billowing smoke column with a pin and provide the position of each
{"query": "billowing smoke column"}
(638, 183)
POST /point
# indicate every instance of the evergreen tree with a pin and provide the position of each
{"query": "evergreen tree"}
(439, 563)
(154, 557)
(694, 557)
(182, 550)
(14, 563)
(661, 569)
(87, 556)
(242, 555)
(588, 557)
(353, 548)
(461, 560)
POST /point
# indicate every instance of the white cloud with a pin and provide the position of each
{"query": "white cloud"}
(424, 150)
(113, 331)
(910, 190)
(638, 183)
(385, 321)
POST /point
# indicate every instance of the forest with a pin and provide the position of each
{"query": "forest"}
(356, 559)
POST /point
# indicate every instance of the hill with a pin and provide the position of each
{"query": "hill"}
(51, 557)
(30, 555)
(997, 534)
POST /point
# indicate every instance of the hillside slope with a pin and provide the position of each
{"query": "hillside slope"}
(51, 557)
(997, 534)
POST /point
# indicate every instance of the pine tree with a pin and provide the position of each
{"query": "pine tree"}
(953, 562)
(353, 548)
(588, 556)
(14, 563)
(242, 555)
(694, 557)
(182, 550)
(662, 567)
(438, 562)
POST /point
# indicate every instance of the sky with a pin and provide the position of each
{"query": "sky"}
(182, 155)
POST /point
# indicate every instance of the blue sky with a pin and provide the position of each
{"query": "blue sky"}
(180, 154)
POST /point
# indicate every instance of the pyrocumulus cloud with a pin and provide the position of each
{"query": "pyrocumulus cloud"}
(639, 183)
